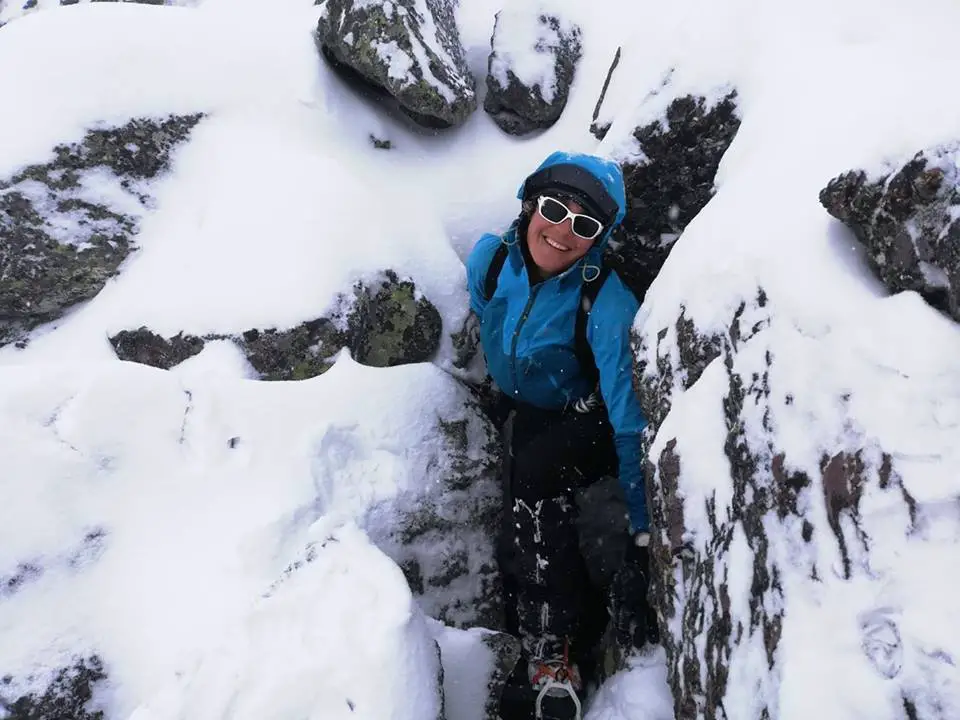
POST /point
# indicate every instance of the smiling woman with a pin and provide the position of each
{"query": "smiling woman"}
(559, 233)
(576, 417)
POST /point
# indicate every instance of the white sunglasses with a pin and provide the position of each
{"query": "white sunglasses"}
(554, 211)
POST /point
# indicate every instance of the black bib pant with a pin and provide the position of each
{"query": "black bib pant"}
(553, 454)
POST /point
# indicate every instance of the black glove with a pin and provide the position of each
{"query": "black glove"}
(634, 621)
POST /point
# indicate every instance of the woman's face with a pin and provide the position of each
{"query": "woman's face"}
(555, 247)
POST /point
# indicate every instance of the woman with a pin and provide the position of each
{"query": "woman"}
(576, 415)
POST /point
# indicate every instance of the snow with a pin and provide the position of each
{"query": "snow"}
(248, 474)
(637, 693)
(398, 62)
(367, 597)
(525, 43)
(163, 543)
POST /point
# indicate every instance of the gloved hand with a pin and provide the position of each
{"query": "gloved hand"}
(634, 621)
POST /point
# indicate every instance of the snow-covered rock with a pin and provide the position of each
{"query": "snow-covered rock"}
(669, 166)
(792, 526)
(907, 218)
(409, 48)
(390, 324)
(68, 223)
(533, 58)
(476, 666)
(10, 9)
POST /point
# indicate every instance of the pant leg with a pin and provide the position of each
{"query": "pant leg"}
(553, 455)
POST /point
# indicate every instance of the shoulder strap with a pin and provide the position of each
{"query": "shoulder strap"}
(493, 272)
(588, 295)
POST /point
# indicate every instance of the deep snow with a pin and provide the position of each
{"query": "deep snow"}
(279, 200)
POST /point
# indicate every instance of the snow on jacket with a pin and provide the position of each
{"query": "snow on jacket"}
(527, 333)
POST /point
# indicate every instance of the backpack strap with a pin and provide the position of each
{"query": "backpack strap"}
(493, 272)
(588, 295)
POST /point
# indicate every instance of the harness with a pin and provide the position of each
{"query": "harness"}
(588, 295)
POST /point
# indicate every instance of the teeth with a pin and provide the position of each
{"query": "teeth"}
(554, 245)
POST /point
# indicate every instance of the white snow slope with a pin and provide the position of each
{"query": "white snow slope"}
(164, 546)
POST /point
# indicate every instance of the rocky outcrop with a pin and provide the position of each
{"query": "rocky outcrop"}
(908, 219)
(67, 225)
(383, 326)
(445, 543)
(754, 511)
(302, 352)
(525, 95)
(147, 348)
(407, 49)
(669, 180)
(67, 693)
(76, 558)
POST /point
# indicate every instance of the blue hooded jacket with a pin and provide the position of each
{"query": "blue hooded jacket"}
(527, 332)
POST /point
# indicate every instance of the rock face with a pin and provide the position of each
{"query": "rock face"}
(445, 544)
(69, 692)
(385, 325)
(908, 219)
(392, 324)
(669, 181)
(781, 502)
(409, 49)
(296, 354)
(524, 94)
(148, 348)
(68, 224)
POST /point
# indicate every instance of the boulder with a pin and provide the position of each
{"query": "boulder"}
(908, 220)
(533, 59)
(669, 179)
(302, 352)
(407, 49)
(148, 348)
(392, 324)
(62, 234)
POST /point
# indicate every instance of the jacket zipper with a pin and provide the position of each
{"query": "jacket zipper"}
(516, 336)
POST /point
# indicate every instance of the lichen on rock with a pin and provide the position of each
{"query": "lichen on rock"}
(392, 324)
(383, 323)
(408, 49)
(66, 225)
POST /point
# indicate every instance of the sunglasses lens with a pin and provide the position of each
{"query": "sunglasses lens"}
(553, 210)
(586, 227)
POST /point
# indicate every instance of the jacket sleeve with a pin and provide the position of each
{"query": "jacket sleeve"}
(478, 262)
(608, 332)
